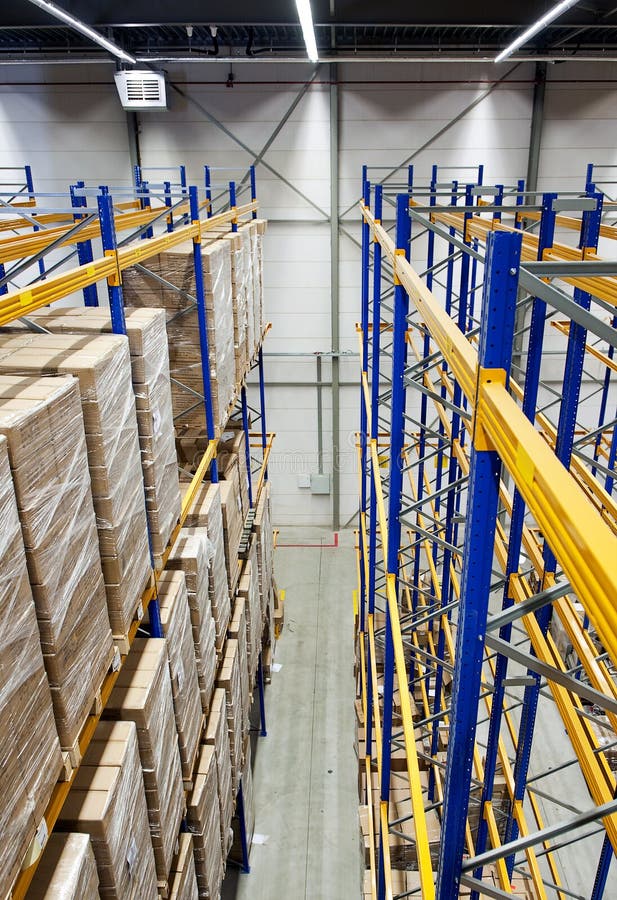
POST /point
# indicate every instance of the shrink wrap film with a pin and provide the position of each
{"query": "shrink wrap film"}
(240, 272)
(248, 233)
(143, 695)
(231, 451)
(183, 880)
(191, 554)
(176, 266)
(66, 871)
(107, 801)
(41, 419)
(238, 631)
(217, 736)
(265, 545)
(248, 588)
(29, 747)
(229, 679)
(102, 366)
(203, 818)
(206, 518)
(147, 336)
(176, 622)
(231, 504)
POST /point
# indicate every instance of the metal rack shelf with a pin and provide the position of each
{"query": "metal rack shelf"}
(486, 505)
(75, 228)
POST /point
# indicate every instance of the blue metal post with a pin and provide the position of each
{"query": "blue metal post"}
(247, 442)
(137, 177)
(146, 204)
(203, 328)
(84, 248)
(170, 218)
(603, 404)
(208, 191)
(530, 397)
(604, 864)
(373, 526)
(364, 321)
(241, 813)
(183, 190)
(397, 438)
(31, 196)
(253, 190)
(232, 204)
(520, 200)
(118, 325)
(262, 699)
(495, 352)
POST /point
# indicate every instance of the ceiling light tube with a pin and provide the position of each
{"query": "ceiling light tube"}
(78, 25)
(545, 20)
(308, 31)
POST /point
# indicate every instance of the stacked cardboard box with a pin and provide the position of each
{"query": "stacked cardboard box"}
(265, 548)
(217, 737)
(143, 695)
(183, 881)
(176, 266)
(238, 631)
(176, 622)
(231, 452)
(258, 272)
(249, 589)
(29, 748)
(191, 555)
(240, 273)
(232, 525)
(42, 420)
(103, 367)
(206, 517)
(248, 233)
(203, 817)
(229, 679)
(249, 808)
(145, 329)
(107, 801)
(66, 871)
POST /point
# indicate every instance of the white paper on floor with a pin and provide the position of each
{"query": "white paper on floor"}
(260, 838)
(276, 667)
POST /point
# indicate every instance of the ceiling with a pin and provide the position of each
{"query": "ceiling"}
(157, 30)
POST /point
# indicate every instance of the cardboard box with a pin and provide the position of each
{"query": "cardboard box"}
(29, 747)
(229, 679)
(102, 366)
(143, 695)
(248, 588)
(183, 879)
(107, 801)
(203, 819)
(176, 622)
(66, 871)
(217, 736)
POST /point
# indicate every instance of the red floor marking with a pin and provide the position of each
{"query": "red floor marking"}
(334, 545)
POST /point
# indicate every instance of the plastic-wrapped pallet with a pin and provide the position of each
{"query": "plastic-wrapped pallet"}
(176, 266)
(203, 818)
(265, 545)
(29, 747)
(229, 678)
(217, 736)
(262, 225)
(66, 871)
(103, 367)
(107, 801)
(183, 881)
(231, 451)
(42, 420)
(147, 335)
(238, 631)
(233, 522)
(248, 232)
(143, 695)
(240, 273)
(249, 808)
(207, 515)
(248, 588)
(176, 622)
(191, 554)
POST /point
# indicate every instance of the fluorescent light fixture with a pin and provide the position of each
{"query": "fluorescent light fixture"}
(78, 25)
(546, 19)
(308, 31)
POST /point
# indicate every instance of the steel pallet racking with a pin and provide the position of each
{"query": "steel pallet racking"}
(68, 231)
(490, 523)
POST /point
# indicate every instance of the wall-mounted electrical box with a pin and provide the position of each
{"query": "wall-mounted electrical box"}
(320, 484)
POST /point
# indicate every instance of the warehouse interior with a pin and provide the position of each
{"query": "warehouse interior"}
(308, 450)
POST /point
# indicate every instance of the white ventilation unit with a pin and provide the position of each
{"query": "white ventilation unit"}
(141, 89)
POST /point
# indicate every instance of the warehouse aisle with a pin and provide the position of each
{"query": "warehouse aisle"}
(306, 769)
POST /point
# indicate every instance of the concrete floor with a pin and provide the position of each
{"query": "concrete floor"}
(305, 771)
